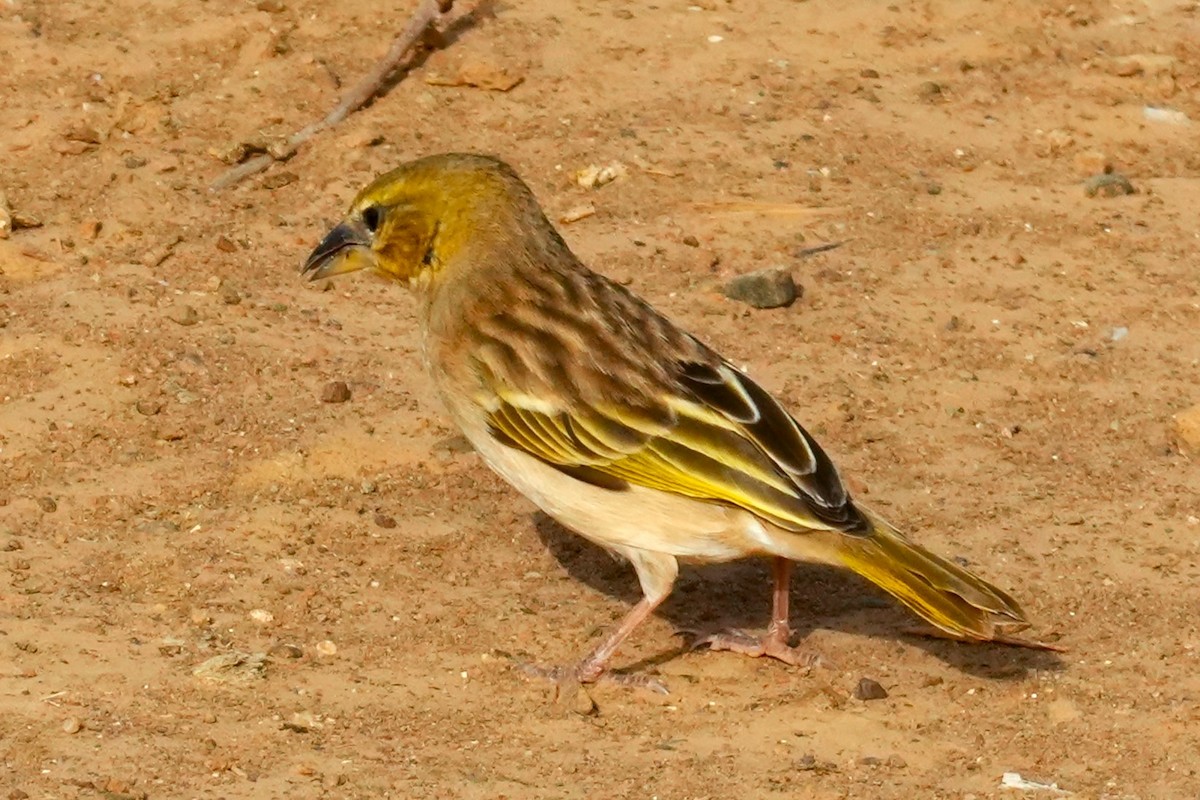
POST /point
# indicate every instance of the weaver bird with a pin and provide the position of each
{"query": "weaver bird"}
(614, 421)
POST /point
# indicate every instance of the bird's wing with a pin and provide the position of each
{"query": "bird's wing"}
(707, 431)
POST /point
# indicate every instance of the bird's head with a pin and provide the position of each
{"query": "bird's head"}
(410, 223)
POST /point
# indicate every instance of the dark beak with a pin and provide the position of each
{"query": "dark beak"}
(332, 255)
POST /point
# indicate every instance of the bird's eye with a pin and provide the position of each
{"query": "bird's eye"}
(370, 217)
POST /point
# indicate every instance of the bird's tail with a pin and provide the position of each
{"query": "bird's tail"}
(945, 594)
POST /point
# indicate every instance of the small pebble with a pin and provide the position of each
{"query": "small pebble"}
(691, 241)
(1187, 428)
(326, 648)
(117, 788)
(302, 722)
(277, 180)
(262, 616)
(335, 392)
(235, 668)
(594, 176)
(172, 432)
(148, 408)
(1059, 141)
(580, 701)
(1092, 162)
(171, 647)
(71, 725)
(22, 219)
(1108, 184)
(384, 521)
(931, 91)
(809, 763)
(184, 315)
(868, 689)
(47, 504)
(576, 213)
(1152, 64)
(69, 148)
(1167, 115)
(285, 650)
(80, 132)
(89, 229)
(768, 288)
(5, 216)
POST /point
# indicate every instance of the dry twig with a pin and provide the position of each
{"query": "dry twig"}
(422, 26)
(805, 252)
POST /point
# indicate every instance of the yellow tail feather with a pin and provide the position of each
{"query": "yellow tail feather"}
(936, 589)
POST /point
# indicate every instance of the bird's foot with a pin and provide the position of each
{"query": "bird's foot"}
(773, 644)
(568, 679)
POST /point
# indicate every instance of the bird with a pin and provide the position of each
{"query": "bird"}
(616, 422)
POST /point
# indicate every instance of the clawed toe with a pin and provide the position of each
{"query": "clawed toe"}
(772, 645)
(736, 640)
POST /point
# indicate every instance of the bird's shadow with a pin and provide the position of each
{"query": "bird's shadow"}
(737, 595)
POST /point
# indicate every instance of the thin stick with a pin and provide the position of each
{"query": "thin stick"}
(427, 14)
(805, 252)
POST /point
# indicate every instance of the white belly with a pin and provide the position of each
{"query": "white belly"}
(630, 519)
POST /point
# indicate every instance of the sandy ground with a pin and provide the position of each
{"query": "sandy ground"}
(994, 356)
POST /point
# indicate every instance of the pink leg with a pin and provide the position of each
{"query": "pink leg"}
(591, 668)
(656, 574)
(593, 664)
(775, 643)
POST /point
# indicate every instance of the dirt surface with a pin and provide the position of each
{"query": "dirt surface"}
(994, 356)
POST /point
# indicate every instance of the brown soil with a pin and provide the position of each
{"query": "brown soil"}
(173, 488)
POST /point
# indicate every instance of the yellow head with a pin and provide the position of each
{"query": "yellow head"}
(408, 224)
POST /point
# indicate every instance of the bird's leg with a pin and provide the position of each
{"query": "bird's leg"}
(656, 573)
(775, 643)
(780, 631)
(591, 668)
